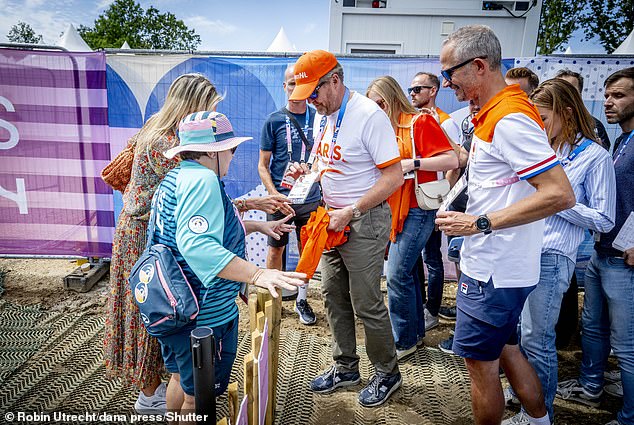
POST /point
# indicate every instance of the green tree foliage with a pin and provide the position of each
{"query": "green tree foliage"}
(23, 33)
(610, 20)
(125, 20)
(557, 23)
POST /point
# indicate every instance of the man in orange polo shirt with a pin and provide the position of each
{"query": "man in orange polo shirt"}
(514, 182)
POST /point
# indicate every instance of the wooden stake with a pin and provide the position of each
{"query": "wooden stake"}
(256, 337)
(223, 421)
(248, 386)
(270, 411)
(234, 405)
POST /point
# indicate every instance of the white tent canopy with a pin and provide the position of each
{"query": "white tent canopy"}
(281, 43)
(125, 45)
(72, 41)
(568, 51)
(627, 47)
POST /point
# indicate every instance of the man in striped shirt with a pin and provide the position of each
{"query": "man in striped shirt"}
(515, 180)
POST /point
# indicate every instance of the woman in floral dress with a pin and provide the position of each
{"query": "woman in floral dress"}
(130, 353)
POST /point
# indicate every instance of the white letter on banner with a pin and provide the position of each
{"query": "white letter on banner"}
(19, 197)
(14, 137)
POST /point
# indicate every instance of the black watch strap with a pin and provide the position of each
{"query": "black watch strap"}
(416, 164)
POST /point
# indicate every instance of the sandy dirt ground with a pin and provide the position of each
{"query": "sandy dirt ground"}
(40, 282)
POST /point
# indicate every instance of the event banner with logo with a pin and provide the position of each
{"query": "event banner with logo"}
(64, 115)
(54, 141)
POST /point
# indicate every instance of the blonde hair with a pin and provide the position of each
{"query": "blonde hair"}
(564, 100)
(188, 93)
(394, 98)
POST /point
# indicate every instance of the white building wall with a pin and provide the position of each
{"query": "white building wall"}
(418, 27)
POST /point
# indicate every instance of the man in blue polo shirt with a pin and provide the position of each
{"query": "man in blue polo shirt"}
(287, 137)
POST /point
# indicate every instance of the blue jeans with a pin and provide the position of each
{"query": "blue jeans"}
(432, 256)
(539, 318)
(607, 320)
(403, 295)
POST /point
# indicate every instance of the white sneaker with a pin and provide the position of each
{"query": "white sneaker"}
(401, 354)
(613, 422)
(614, 389)
(519, 419)
(153, 405)
(509, 397)
(430, 321)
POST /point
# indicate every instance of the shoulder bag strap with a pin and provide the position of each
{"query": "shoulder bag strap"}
(296, 124)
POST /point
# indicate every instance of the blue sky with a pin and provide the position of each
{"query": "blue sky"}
(249, 25)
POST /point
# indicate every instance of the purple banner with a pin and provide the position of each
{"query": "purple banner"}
(53, 144)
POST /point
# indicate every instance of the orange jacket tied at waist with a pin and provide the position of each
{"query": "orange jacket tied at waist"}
(315, 238)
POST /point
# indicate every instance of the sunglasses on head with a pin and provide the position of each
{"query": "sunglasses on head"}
(417, 89)
(447, 73)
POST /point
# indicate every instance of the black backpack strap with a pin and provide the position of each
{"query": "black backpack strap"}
(297, 126)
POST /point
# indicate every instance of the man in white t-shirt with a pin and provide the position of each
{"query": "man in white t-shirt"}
(515, 180)
(358, 160)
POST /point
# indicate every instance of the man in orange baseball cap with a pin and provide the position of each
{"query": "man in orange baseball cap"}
(358, 160)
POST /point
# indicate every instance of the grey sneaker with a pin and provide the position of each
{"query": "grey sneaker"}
(379, 389)
(446, 346)
(332, 379)
(614, 389)
(572, 390)
(612, 375)
(430, 321)
(153, 405)
(306, 315)
(519, 419)
(401, 354)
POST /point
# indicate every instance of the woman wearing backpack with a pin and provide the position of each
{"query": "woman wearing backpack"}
(198, 222)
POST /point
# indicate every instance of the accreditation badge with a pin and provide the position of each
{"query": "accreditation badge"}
(301, 189)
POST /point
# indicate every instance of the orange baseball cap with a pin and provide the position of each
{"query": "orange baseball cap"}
(309, 68)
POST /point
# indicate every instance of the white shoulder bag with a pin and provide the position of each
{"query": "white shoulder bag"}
(430, 195)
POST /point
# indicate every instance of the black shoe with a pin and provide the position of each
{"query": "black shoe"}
(447, 313)
(332, 379)
(306, 315)
(379, 389)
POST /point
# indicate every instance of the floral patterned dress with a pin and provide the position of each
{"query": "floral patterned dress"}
(130, 353)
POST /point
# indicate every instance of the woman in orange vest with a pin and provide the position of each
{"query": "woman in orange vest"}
(411, 225)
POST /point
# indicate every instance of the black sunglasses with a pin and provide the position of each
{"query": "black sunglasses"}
(447, 73)
(417, 89)
(233, 149)
(315, 93)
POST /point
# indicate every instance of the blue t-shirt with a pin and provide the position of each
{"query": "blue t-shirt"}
(198, 222)
(273, 140)
(624, 171)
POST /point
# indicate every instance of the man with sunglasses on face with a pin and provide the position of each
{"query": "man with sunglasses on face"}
(514, 182)
(358, 160)
(423, 92)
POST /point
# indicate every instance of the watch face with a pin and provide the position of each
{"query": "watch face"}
(483, 223)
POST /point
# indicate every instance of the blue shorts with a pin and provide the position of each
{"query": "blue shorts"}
(486, 318)
(177, 355)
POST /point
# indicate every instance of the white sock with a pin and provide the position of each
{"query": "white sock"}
(301, 292)
(545, 420)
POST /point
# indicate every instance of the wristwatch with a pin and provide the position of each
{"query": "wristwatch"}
(416, 164)
(356, 212)
(483, 224)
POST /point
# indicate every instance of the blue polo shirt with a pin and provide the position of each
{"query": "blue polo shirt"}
(273, 139)
(198, 222)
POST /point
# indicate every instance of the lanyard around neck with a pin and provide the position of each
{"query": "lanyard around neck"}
(289, 140)
(576, 152)
(623, 146)
(335, 133)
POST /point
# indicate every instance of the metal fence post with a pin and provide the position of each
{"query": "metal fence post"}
(203, 357)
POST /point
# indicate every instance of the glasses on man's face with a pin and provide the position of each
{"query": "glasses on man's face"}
(315, 93)
(417, 89)
(447, 73)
